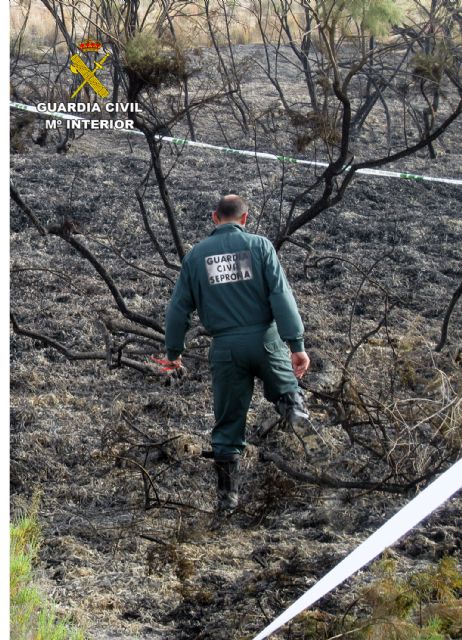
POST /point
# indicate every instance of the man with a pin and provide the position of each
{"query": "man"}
(236, 283)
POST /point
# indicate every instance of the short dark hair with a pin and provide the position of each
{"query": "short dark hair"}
(231, 207)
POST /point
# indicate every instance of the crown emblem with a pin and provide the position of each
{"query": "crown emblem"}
(90, 45)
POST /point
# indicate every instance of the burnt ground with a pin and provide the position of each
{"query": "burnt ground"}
(80, 431)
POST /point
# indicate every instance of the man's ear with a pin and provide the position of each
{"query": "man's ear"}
(215, 218)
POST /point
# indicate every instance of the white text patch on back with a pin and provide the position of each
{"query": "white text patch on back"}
(229, 267)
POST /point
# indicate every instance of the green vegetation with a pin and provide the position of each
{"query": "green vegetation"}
(423, 606)
(154, 60)
(376, 16)
(372, 16)
(31, 616)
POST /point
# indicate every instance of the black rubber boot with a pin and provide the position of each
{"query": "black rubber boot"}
(290, 408)
(228, 482)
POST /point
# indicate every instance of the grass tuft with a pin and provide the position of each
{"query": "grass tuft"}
(31, 616)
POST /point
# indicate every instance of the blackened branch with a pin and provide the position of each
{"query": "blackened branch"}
(27, 210)
(409, 151)
(152, 236)
(88, 255)
(70, 354)
(447, 317)
(324, 480)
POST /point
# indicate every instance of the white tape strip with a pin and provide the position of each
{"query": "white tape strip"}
(402, 522)
(242, 152)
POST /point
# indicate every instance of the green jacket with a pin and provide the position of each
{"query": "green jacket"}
(236, 283)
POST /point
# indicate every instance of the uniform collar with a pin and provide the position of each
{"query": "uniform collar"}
(228, 227)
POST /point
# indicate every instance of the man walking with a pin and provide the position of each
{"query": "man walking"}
(236, 283)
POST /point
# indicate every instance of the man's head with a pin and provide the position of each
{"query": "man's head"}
(230, 208)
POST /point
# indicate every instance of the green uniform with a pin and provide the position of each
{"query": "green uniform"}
(236, 283)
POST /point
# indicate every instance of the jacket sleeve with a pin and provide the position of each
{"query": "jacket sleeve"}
(282, 301)
(178, 316)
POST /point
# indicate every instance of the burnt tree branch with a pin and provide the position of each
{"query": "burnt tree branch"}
(27, 210)
(409, 151)
(66, 234)
(324, 480)
(444, 329)
(327, 199)
(150, 232)
(71, 354)
(329, 176)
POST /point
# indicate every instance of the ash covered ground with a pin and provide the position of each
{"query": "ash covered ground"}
(86, 437)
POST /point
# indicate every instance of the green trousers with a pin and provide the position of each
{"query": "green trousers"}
(235, 360)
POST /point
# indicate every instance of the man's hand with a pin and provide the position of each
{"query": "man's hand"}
(300, 363)
(176, 368)
(175, 363)
(173, 368)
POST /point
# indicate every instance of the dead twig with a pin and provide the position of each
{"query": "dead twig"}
(324, 480)
(150, 232)
(27, 210)
(444, 329)
(147, 481)
(77, 355)
(65, 231)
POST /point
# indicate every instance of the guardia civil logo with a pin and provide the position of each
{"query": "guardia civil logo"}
(71, 114)
(89, 75)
